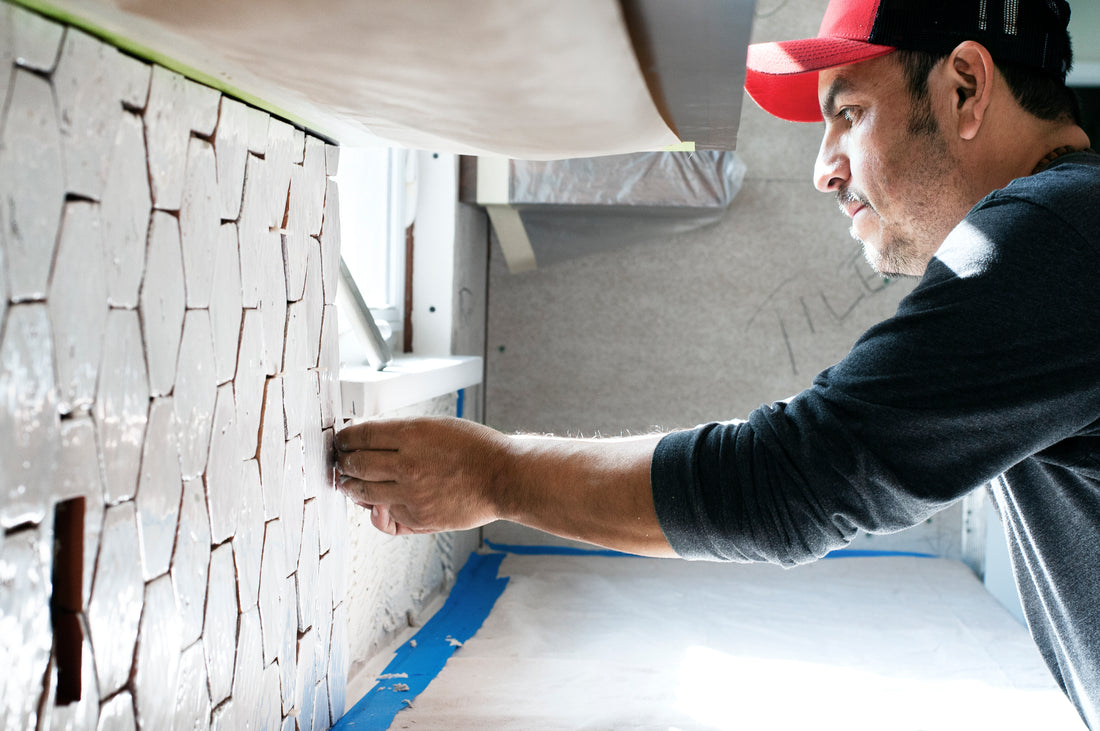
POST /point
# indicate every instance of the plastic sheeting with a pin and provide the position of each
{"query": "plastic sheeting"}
(575, 207)
(862, 644)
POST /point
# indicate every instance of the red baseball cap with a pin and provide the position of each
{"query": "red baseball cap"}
(782, 76)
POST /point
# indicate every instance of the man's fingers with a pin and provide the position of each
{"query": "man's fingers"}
(378, 434)
(365, 493)
(368, 465)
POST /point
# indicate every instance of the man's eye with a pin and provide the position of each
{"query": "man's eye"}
(848, 114)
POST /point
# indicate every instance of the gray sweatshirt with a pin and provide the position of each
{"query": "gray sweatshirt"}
(989, 373)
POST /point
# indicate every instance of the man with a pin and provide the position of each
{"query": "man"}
(959, 159)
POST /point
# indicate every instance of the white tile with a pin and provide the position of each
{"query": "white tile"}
(78, 475)
(288, 644)
(7, 52)
(338, 663)
(3, 276)
(309, 566)
(296, 383)
(258, 122)
(291, 514)
(329, 368)
(329, 499)
(36, 40)
(159, 490)
(81, 714)
(224, 717)
(321, 706)
(122, 404)
(156, 667)
(192, 711)
(249, 668)
(28, 416)
(272, 582)
(225, 304)
(167, 133)
(255, 228)
(135, 76)
(269, 715)
(30, 149)
(338, 516)
(283, 148)
(249, 383)
(297, 146)
(25, 560)
(314, 301)
(330, 243)
(332, 159)
(272, 448)
(231, 148)
(195, 392)
(200, 221)
(162, 302)
(191, 563)
(248, 542)
(272, 302)
(318, 465)
(289, 724)
(223, 469)
(295, 253)
(117, 714)
(305, 682)
(88, 93)
(125, 210)
(297, 352)
(78, 305)
(201, 105)
(176, 107)
(322, 624)
(307, 190)
(117, 597)
(219, 635)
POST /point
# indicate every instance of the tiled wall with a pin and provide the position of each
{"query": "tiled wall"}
(172, 554)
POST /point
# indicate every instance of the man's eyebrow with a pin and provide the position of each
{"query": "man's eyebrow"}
(840, 84)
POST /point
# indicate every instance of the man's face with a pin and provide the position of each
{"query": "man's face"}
(887, 160)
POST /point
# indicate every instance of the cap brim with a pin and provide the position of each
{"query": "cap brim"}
(781, 77)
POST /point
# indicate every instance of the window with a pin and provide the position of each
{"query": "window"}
(377, 205)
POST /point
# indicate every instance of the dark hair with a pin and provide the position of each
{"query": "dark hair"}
(1038, 92)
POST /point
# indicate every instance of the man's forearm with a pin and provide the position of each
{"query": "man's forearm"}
(593, 490)
(428, 475)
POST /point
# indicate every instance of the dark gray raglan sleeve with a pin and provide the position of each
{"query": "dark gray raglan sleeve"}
(992, 358)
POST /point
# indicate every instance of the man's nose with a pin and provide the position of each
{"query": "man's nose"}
(831, 170)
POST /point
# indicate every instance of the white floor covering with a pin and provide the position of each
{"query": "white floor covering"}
(883, 644)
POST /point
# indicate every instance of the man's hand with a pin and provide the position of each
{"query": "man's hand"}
(422, 475)
(427, 475)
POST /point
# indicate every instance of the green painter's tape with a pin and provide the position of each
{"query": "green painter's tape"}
(140, 50)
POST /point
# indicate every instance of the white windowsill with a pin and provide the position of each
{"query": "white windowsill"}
(408, 380)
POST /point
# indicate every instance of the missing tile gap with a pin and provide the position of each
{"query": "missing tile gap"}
(66, 599)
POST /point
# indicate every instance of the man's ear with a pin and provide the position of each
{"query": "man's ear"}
(970, 73)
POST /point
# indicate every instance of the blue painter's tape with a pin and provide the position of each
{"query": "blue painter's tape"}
(460, 408)
(553, 550)
(571, 551)
(476, 590)
(858, 553)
